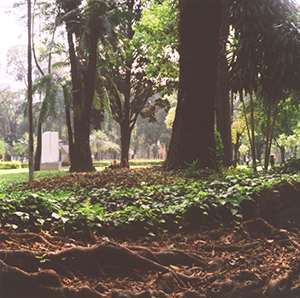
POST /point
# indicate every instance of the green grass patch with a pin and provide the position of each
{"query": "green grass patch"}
(22, 175)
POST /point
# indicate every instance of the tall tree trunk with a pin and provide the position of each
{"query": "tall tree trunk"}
(223, 115)
(193, 129)
(125, 125)
(81, 155)
(30, 115)
(252, 130)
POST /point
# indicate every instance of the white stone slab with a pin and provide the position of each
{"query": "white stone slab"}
(50, 147)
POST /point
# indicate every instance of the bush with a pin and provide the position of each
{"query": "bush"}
(24, 165)
(6, 165)
(291, 165)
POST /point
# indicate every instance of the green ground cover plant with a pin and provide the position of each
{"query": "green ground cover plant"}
(150, 205)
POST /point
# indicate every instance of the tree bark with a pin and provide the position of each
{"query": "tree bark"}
(193, 129)
(223, 115)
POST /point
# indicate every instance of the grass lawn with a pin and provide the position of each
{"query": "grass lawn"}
(22, 175)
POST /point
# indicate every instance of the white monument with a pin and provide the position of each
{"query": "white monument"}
(50, 152)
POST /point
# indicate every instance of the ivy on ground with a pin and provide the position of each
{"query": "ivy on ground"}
(148, 197)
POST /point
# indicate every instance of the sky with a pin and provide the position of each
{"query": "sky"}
(12, 32)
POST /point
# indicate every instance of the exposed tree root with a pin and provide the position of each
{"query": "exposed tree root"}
(259, 261)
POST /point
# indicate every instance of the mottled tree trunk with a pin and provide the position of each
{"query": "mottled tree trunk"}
(193, 129)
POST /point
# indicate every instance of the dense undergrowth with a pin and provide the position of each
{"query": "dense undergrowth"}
(148, 198)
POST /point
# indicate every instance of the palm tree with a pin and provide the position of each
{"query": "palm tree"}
(100, 141)
(22, 145)
(85, 28)
(280, 73)
(253, 23)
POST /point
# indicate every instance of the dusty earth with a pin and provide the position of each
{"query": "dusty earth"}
(259, 258)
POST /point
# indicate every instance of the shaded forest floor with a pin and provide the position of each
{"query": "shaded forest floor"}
(257, 258)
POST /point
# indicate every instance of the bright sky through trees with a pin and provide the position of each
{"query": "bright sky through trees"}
(13, 31)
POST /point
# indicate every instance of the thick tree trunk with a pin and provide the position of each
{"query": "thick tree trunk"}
(193, 129)
(81, 154)
(223, 116)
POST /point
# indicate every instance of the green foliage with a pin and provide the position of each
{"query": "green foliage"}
(3, 147)
(156, 32)
(192, 167)
(150, 206)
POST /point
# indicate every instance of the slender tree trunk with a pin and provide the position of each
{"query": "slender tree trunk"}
(282, 153)
(267, 149)
(252, 130)
(193, 129)
(38, 152)
(68, 121)
(246, 119)
(223, 115)
(30, 114)
(271, 129)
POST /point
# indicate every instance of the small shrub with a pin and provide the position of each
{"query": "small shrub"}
(6, 165)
